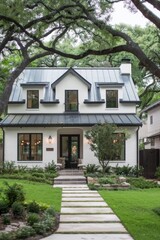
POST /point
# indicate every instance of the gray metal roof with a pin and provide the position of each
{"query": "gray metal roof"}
(93, 77)
(153, 105)
(50, 120)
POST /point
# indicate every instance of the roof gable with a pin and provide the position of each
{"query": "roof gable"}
(74, 73)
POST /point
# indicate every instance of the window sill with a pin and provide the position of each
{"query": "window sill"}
(30, 161)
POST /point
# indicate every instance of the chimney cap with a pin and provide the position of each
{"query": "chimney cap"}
(126, 60)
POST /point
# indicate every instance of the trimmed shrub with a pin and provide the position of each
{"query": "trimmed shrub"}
(25, 232)
(33, 207)
(33, 218)
(50, 211)
(14, 193)
(4, 207)
(142, 183)
(7, 236)
(17, 209)
(6, 219)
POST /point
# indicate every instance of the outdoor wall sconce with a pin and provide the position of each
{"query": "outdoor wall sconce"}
(50, 139)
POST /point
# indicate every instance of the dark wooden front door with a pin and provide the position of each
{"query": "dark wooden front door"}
(69, 149)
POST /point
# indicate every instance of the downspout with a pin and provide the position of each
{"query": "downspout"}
(137, 138)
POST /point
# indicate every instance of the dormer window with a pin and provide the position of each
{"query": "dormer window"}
(32, 99)
(71, 100)
(111, 98)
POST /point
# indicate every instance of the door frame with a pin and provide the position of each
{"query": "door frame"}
(68, 159)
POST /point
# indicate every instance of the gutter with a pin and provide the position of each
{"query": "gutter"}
(3, 147)
(137, 138)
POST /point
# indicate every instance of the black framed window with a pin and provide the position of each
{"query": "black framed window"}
(32, 99)
(111, 98)
(30, 146)
(119, 153)
(151, 119)
(71, 100)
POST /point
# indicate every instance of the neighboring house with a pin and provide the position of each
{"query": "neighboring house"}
(149, 134)
(50, 110)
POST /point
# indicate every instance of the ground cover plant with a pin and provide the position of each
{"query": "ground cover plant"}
(37, 174)
(30, 218)
(136, 210)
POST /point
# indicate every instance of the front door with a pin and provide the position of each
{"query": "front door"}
(69, 149)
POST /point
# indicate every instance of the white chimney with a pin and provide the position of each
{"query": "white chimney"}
(125, 66)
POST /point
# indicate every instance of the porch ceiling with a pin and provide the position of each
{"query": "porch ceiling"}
(50, 120)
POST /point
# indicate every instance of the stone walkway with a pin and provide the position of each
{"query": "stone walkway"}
(85, 216)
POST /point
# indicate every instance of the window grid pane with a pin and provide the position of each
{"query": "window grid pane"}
(111, 98)
(32, 99)
(30, 147)
(71, 100)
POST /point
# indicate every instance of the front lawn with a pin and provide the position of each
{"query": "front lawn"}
(40, 192)
(135, 209)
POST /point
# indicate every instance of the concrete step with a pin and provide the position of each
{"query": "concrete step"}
(89, 218)
(91, 228)
(69, 182)
(70, 172)
(73, 186)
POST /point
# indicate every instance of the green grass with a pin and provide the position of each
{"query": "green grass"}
(40, 192)
(135, 209)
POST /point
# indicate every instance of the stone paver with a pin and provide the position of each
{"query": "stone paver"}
(95, 199)
(84, 204)
(89, 237)
(91, 228)
(80, 195)
(81, 210)
(89, 218)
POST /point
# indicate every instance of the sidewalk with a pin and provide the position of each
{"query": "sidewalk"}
(86, 216)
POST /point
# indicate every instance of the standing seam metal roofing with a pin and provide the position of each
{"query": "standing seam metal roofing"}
(91, 75)
(26, 120)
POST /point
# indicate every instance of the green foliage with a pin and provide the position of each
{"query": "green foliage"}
(157, 211)
(142, 183)
(6, 219)
(51, 167)
(4, 207)
(157, 173)
(25, 232)
(107, 180)
(7, 236)
(91, 168)
(9, 167)
(33, 218)
(17, 209)
(106, 141)
(128, 171)
(13, 193)
(45, 225)
(50, 211)
(33, 207)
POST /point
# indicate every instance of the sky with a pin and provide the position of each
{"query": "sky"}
(123, 15)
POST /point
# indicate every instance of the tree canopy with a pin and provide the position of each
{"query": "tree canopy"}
(30, 30)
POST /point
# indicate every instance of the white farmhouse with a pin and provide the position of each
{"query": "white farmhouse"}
(50, 110)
